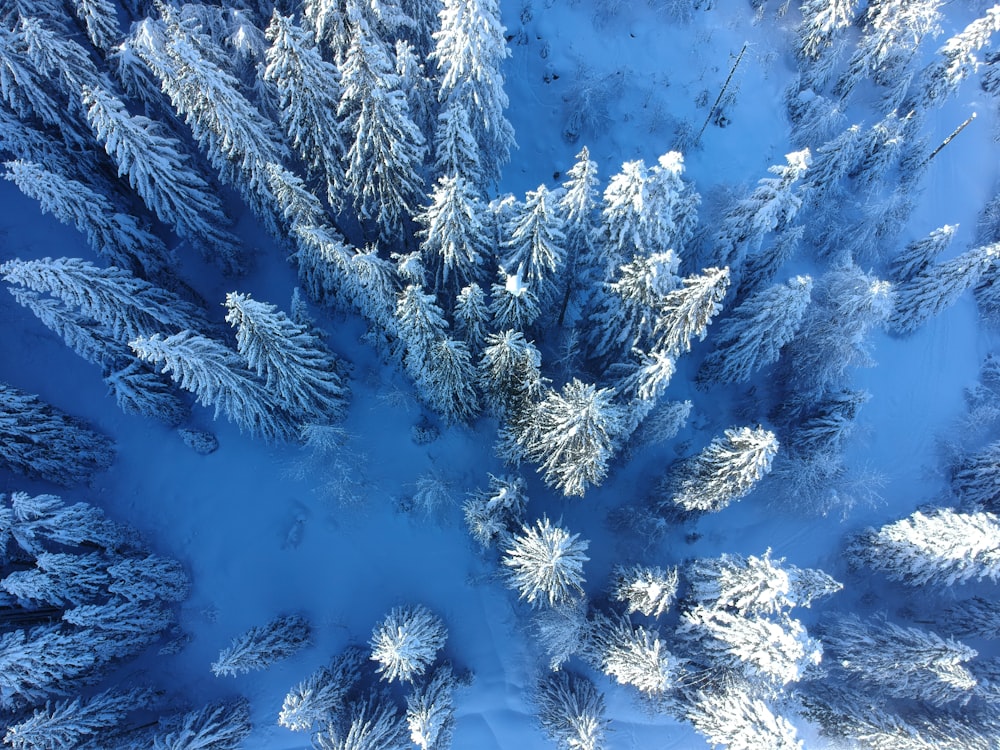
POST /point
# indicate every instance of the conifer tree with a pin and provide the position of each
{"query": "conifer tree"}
(421, 325)
(578, 208)
(261, 646)
(308, 96)
(406, 642)
(385, 149)
(71, 723)
(571, 711)
(976, 478)
(938, 287)
(918, 256)
(59, 57)
(904, 662)
(418, 87)
(941, 547)
(324, 693)
(546, 564)
(686, 312)
(739, 720)
(100, 19)
(621, 214)
(221, 726)
(510, 373)
(753, 336)
(632, 655)
(219, 379)
(496, 511)
(472, 317)
(448, 381)
(649, 590)
(430, 711)
(514, 303)
(115, 236)
(297, 368)
(821, 20)
(373, 725)
(25, 90)
(162, 175)
(469, 49)
(535, 244)
(38, 440)
(453, 236)
(456, 153)
(670, 211)
(762, 267)
(725, 471)
(957, 59)
(572, 436)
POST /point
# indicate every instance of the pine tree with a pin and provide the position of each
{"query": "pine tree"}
(100, 19)
(514, 304)
(149, 578)
(469, 49)
(510, 373)
(746, 586)
(418, 87)
(448, 381)
(456, 153)
(941, 547)
(220, 726)
(430, 711)
(832, 162)
(957, 58)
(59, 57)
(323, 694)
(129, 307)
(622, 212)
(904, 662)
(546, 564)
(762, 267)
(308, 96)
(535, 244)
(161, 173)
(577, 207)
(572, 436)
(296, 367)
(821, 20)
(374, 725)
(770, 208)
(36, 523)
(571, 711)
(71, 723)
(493, 513)
(649, 590)
(918, 256)
(632, 655)
(686, 312)
(261, 646)
(115, 236)
(725, 471)
(38, 440)
(139, 390)
(43, 660)
(880, 148)
(738, 720)
(472, 317)
(754, 335)
(421, 325)
(670, 210)
(453, 236)
(976, 478)
(25, 90)
(217, 378)
(59, 579)
(406, 642)
(939, 286)
(386, 149)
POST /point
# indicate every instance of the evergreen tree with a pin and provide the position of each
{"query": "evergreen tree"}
(546, 564)
(736, 718)
(72, 723)
(220, 726)
(261, 646)
(127, 306)
(938, 287)
(510, 373)
(38, 440)
(905, 662)
(418, 87)
(571, 711)
(115, 236)
(100, 19)
(218, 378)
(385, 149)
(754, 335)
(762, 267)
(25, 90)
(821, 20)
(453, 235)
(976, 478)
(632, 655)
(514, 304)
(421, 325)
(725, 471)
(686, 312)
(535, 244)
(832, 162)
(59, 579)
(297, 368)
(59, 57)
(746, 586)
(670, 212)
(942, 547)
(469, 49)
(770, 208)
(139, 390)
(918, 256)
(649, 590)
(308, 96)
(572, 436)
(880, 148)
(42, 660)
(323, 694)
(160, 172)
(36, 523)
(578, 207)
(497, 511)
(374, 725)
(430, 711)
(827, 424)
(957, 58)
(472, 317)
(149, 578)
(448, 381)
(456, 153)
(406, 642)
(622, 212)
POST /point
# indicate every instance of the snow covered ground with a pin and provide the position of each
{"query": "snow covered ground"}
(266, 530)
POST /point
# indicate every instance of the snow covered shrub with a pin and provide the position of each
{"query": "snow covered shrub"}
(406, 642)
(571, 711)
(323, 694)
(493, 513)
(263, 645)
(631, 654)
(904, 662)
(220, 726)
(725, 471)
(546, 564)
(39, 441)
(941, 547)
(430, 711)
(432, 494)
(649, 590)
